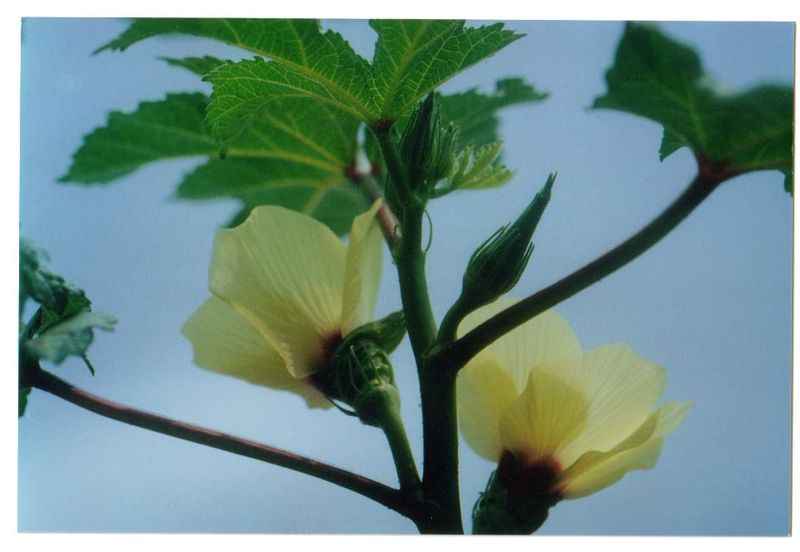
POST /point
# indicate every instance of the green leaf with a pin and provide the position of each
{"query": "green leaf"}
(69, 336)
(301, 143)
(301, 131)
(63, 323)
(413, 57)
(297, 43)
(475, 113)
(197, 65)
(239, 177)
(330, 198)
(76, 301)
(297, 157)
(334, 205)
(304, 61)
(478, 169)
(56, 296)
(661, 79)
(291, 121)
(155, 131)
(23, 400)
(245, 90)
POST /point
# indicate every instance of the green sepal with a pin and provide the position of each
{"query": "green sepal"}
(387, 332)
(360, 375)
(496, 512)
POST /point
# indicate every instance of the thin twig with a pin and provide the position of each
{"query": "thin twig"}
(387, 219)
(389, 497)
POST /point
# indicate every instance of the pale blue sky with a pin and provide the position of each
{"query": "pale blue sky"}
(712, 302)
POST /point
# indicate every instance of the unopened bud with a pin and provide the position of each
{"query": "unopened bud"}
(497, 265)
(427, 148)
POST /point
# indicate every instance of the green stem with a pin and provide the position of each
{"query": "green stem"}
(461, 351)
(393, 428)
(410, 261)
(391, 498)
(440, 435)
(396, 170)
(437, 385)
(449, 328)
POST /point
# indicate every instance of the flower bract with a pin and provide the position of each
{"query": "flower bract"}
(286, 290)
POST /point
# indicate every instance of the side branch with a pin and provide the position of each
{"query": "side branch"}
(387, 219)
(462, 350)
(389, 497)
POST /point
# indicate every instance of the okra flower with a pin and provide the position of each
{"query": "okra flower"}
(561, 423)
(286, 290)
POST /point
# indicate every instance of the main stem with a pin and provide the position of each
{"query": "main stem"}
(437, 385)
(391, 498)
(461, 351)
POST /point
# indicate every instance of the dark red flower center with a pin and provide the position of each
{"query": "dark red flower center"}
(328, 346)
(523, 478)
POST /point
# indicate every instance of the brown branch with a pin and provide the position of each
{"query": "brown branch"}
(387, 219)
(389, 497)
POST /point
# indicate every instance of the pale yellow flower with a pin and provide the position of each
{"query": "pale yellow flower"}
(559, 420)
(285, 291)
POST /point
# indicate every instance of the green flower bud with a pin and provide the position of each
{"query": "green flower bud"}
(427, 149)
(497, 265)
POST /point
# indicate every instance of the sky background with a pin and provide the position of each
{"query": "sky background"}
(712, 302)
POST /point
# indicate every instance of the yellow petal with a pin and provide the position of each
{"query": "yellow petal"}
(225, 342)
(622, 389)
(597, 470)
(546, 337)
(362, 270)
(485, 390)
(548, 415)
(284, 273)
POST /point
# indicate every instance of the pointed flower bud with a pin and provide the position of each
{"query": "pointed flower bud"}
(427, 148)
(498, 263)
